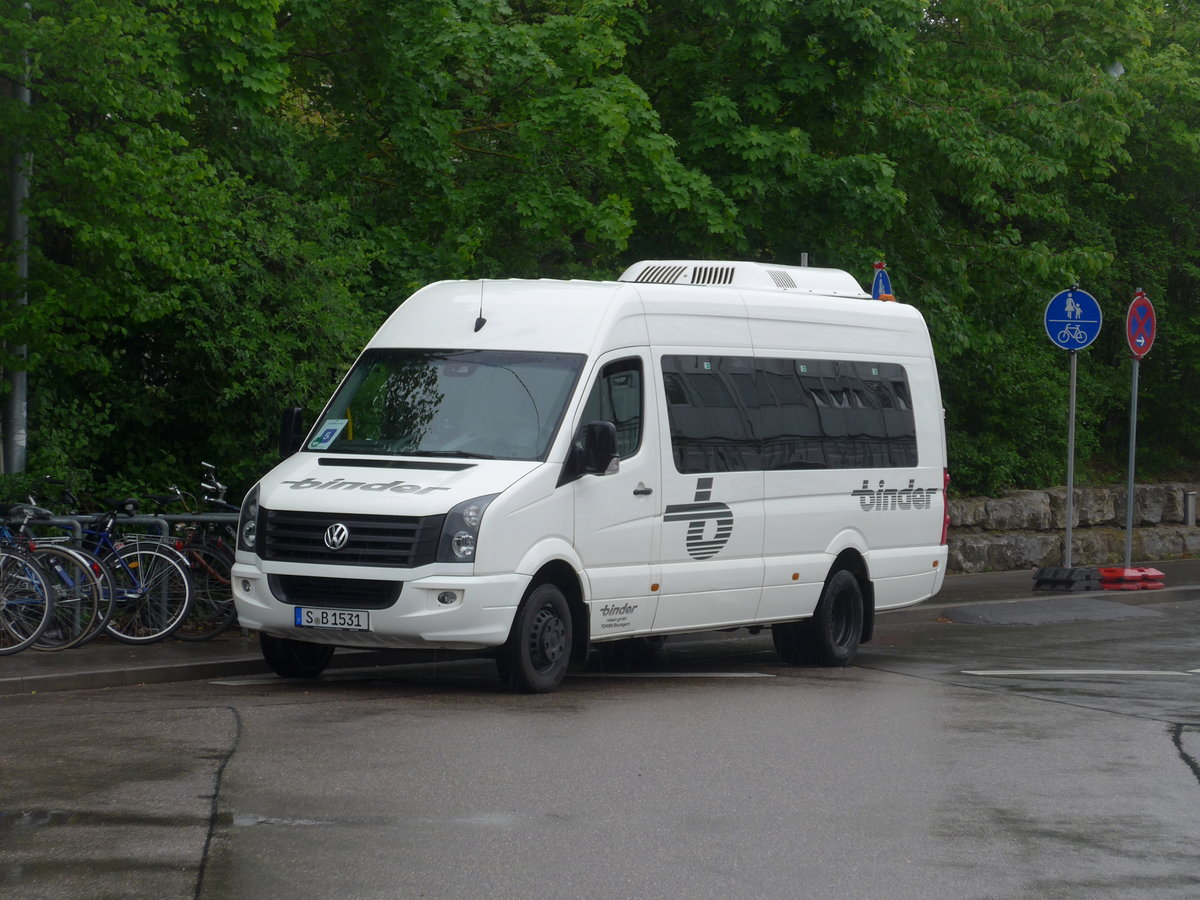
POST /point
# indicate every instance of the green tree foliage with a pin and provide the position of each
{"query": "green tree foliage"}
(776, 103)
(484, 138)
(179, 293)
(228, 197)
(1152, 209)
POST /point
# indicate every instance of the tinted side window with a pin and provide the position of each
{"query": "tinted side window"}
(788, 418)
(732, 414)
(709, 415)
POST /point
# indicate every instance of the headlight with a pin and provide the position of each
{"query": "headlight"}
(247, 535)
(461, 530)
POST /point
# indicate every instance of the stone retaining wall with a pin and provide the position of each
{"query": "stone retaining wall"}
(1027, 529)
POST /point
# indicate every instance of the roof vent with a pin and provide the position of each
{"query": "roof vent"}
(782, 279)
(660, 274)
(712, 275)
(746, 275)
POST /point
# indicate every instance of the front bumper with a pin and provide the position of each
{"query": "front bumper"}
(480, 615)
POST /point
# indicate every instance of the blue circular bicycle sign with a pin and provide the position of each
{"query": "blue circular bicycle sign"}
(1073, 319)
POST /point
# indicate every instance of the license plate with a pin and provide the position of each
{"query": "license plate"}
(336, 619)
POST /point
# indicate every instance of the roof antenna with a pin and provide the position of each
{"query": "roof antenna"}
(481, 321)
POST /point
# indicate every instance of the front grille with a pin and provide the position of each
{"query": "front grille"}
(395, 541)
(340, 593)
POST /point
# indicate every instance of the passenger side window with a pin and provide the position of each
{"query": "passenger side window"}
(617, 397)
(739, 414)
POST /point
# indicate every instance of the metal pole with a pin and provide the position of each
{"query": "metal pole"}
(1129, 480)
(15, 413)
(1070, 461)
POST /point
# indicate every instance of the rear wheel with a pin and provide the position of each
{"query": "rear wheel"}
(535, 659)
(831, 636)
(212, 610)
(77, 595)
(107, 594)
(294, 659)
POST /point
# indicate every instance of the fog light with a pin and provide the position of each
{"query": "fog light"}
(447, 598)
(246, 585)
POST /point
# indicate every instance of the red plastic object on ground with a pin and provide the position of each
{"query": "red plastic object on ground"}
(1121, 579)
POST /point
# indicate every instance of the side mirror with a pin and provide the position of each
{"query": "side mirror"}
(291, 431)
(600, 448)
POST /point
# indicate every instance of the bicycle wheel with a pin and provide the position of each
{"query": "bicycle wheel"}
(212, 608)
(107, 594)
(76, 591)
(152, 593)
(26, 602)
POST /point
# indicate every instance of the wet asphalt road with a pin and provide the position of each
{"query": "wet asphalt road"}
(1032, 750)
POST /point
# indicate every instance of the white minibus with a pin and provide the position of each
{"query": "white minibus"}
(534, 467)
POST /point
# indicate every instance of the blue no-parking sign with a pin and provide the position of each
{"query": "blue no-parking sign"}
(1073, 319)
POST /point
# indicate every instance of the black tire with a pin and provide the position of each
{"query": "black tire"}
(535, 659)
(294, 659)
(26, 602)
(153, 593)
(212, 610)
(77, 595)
(831, 636)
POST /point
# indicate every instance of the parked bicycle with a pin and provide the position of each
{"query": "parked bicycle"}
(80, 582)
(209, 556)
(26, 599)
(152, 586)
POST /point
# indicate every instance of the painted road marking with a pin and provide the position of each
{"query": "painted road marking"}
(670, 675)
(1066, 673)
(365, 676)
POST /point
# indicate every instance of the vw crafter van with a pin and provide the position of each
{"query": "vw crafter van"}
(531, 467)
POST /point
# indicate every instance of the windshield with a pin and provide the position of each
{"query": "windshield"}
(489, 404)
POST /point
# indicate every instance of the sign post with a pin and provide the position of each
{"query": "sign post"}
(1140, 325)
(1072, 320)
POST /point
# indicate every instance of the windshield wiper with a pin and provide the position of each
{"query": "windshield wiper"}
(461, 454)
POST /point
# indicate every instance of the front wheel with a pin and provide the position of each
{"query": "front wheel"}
(152, 593)
(294, 659)
(26, 602)
(831, 636)
(535, 659)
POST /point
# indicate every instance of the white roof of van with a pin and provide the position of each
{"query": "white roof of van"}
(541, 314)
(669, 300)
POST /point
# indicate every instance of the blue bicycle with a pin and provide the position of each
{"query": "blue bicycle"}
(152, 590)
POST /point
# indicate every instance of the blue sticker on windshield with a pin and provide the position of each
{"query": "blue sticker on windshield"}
(328, 433)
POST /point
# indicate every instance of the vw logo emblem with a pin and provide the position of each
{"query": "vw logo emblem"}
(336, 536)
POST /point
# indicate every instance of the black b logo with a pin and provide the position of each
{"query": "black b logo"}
(703, 543)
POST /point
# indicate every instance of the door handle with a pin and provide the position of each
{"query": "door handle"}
(641, 490)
